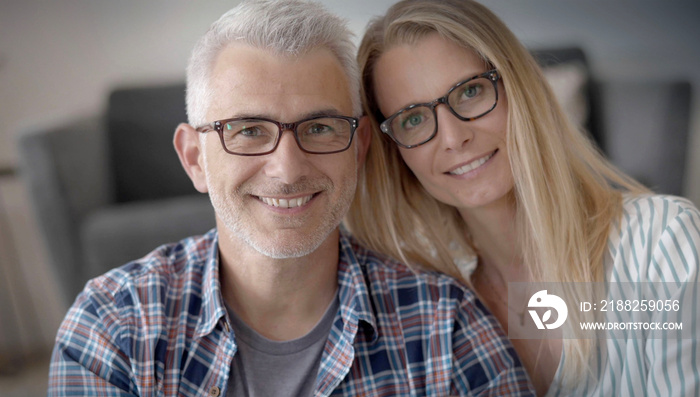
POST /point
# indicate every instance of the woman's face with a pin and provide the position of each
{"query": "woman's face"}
(466, 164)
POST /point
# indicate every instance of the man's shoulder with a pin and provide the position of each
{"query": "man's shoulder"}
(387, 274)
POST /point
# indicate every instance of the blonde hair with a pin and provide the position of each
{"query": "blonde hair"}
(566, 195)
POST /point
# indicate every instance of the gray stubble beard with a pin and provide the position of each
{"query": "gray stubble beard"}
(224, 207)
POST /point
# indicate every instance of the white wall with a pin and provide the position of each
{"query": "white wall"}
(59, 58)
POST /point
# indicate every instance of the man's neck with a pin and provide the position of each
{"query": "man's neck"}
(281, 299)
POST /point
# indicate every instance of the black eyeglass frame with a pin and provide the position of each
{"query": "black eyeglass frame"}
(492, 75)
(218, 126)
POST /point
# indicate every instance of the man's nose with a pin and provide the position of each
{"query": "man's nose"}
(288, 163)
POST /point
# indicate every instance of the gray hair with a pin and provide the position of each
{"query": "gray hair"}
(289, 27)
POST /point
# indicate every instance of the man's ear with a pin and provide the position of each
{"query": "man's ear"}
(189, 150)
(364, 137)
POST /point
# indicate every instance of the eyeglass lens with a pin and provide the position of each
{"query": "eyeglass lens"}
(417, 124)
(252, 136)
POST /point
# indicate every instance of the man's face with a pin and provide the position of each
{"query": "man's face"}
(286, 203)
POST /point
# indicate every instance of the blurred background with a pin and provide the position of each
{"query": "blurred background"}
(62, 61)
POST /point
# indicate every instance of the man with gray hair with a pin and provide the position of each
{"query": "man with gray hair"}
(277, 300)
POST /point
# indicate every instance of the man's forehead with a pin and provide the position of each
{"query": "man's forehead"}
(260, 71)
(245, 79)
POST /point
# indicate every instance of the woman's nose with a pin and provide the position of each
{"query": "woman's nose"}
(452, 132)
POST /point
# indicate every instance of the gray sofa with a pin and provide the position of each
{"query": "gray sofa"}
(110, 189)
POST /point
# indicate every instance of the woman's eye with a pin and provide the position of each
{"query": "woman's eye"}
(471, 91)
(412, 121)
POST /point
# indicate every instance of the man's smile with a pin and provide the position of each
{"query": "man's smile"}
(286, 202)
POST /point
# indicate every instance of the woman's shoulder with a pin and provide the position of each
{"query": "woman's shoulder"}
(657, 236)
(653, 214)
(667, 206)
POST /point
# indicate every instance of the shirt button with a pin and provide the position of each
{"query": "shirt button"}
(214, 391)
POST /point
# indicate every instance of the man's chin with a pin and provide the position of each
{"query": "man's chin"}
(288, 244)
(286, 251)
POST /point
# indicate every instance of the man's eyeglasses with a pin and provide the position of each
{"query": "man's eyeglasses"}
(467, 100)
(259, 136)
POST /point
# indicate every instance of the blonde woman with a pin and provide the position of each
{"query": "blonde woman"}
(475, 171)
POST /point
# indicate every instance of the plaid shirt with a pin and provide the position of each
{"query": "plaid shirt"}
(158, 326)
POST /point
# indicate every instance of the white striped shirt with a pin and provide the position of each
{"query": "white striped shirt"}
(657, 240)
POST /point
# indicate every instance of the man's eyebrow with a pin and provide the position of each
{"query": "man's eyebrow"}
(304, 116)
(324, 112)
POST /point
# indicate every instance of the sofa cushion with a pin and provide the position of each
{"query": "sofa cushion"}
(116, 235)
(140, 127)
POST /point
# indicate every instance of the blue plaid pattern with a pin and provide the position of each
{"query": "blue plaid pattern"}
(157, 326)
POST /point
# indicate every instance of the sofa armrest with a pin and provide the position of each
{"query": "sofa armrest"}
(65, 169)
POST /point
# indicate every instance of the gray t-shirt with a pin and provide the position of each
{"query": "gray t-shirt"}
(263, 367)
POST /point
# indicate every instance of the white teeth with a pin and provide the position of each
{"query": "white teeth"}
(286, 203)
(474, 164)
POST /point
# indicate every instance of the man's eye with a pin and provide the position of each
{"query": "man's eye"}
(252, 131)
(244, 130)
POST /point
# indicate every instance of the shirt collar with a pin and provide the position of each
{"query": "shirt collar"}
(212, 300)
(355, 304)
(354, 299)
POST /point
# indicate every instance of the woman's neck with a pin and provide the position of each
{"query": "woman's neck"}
(492, 230)
(494, 233)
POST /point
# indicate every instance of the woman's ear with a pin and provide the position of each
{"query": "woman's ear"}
(189, 150)
(364, 137)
